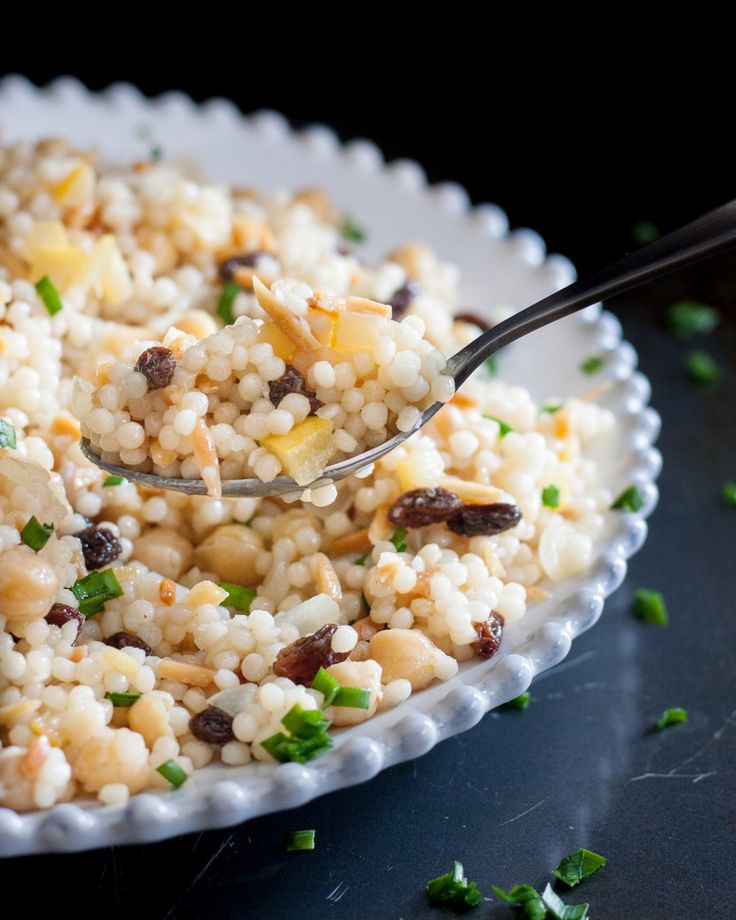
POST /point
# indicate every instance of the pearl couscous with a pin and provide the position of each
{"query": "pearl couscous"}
(145, 634)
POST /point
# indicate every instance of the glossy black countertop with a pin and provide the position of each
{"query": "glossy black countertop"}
(580, 767)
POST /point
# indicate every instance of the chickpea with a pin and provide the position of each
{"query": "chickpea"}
(231, 552)
(148, 716)
(197, 323)
(365, 675)
(28, 585)
(407, 654)
(113, 756)
(164, 551)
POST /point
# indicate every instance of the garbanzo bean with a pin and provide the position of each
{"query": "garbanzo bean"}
(28, 586)
(164, 551)
(407, 654)
(231, 552)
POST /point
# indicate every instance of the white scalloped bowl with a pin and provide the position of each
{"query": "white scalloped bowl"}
(395, 203)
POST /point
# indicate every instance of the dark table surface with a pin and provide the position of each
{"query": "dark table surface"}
(581, 767)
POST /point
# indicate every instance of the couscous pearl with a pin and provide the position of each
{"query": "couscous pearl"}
(344, 639)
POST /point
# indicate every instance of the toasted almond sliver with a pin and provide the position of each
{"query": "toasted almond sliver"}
(193, 674)
(364, 305)
(14, 711)
(167, 592)
(66, 425)
(358, 542)
(287, 322)
(205, 453)
(78, 653)
(326, 577)
(535, 593)
(463, 401)
(381, 528)
(475, 493)
(493, 563)
(594, 393)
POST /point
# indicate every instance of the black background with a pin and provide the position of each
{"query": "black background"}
(521, 789)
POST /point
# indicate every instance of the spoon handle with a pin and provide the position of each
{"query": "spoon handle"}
(706, 236)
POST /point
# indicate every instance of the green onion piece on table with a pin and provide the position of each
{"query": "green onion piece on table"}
(592, 364)
(558, 910)
(671, 717)
(528, 899)
(687, 318)
(728, 493)
(701, 368)
(300, 840)
(578, 865)
(650, 607)
(521, 702)
(454, 888)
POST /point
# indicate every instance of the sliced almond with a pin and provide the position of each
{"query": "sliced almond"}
(381, 528)
(205, 454)
(67, 426)
(326, 577)
(358, 542)
(183, 672)
(14, 711)
(364, 305)
(493, 563)
(319, 201)
(475, 493)
(463, 401)
(595, 393)
(292, 326)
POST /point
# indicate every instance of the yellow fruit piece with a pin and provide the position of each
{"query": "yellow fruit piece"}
(281, 344)
(322, 323)
(66, 426)
(119, 661)
(63, 264)
(419, 470)
(44, 233)
(108, 271)
(77, 189)
(358, 331)
(305, 451)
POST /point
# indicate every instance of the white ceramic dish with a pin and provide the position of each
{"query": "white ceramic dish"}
(395, 203)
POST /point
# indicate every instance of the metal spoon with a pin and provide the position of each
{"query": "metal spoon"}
(706, 236)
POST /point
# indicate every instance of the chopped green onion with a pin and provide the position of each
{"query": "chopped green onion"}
(453, 888)
(156, 154)
(687, 318)
(361, 559)
(491, 365)
(49, 295)
(551, 408)
(521, 701)
(353, 698)
(327, 686)
(525, 897)
(94, 590)
(7, 434)
(399, 539)
(504, 427)
(579, 865)
(304, 723)
(551, 496)
(644, 231)
(225, 302)
(592, 364)
(650, 607)
(171, 771)
(728, 493)
(122, 699)
(237, 596)
(300, 840)
(364, 602)
(671, 717)
(114, 481)
(307, 736)
(629, 500)
(351, 231)
(701, 368)
(35, 534)
(558, 910)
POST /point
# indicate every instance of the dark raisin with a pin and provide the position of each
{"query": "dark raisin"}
(157, 364)
(63, 613)
(474, 320)
(128, 640)
(99, 546)
(248, 260)
(489, 636)
(291, 381)
(401, 299)
(212, 725)
(301, 660)
(422, 507)
(484, 520)
(344, 250)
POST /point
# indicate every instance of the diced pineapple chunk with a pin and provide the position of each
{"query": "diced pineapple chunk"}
(305, 451)
(358, 331)
(63, 264)
(42, 234)
(281, 344)
(322, 323)
(419, 470)
(107, 272)
(78, 188)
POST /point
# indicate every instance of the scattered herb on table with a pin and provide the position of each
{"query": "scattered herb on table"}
(579, 865)
(592, 364)
(7, 434)
(399, 539)
(687, 318)
(650, 607)
(551, 496)
(49, 295)
(644, 231)
(94, 590)
(35, 534)
(225, 302)
(351, 231)
(558, 910)
(171, 771)
(114, 481)
(237, 596)
(454, 888)
(122, 699)
(629, 500)
(300, 840)
(521, 702)
(503, 427)
(156, 153)
(728, 493)
(701, 368)
(526, 898)
(671, 716)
